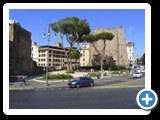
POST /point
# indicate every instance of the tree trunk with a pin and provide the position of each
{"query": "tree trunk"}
(70, 63)
(75, 63)
(101, 63)
(68, 66)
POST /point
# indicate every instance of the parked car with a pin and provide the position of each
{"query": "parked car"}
(137, 74)
(81, 82)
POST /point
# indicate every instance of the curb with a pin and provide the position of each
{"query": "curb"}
(50, 81)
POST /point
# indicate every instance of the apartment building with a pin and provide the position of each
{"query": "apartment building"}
(130, 51)
(84, 59)
(56, 56)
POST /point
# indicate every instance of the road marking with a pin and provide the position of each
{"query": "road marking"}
(52, 89)
(44, 89)
(67, 88)
(59, 88)
(130, 86)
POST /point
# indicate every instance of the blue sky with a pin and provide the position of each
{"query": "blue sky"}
(37, 20)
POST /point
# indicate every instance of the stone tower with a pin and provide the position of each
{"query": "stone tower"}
(115, 48)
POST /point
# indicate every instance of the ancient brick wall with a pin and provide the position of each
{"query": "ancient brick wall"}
(19, 50)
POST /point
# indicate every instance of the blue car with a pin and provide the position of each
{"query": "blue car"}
(81, 82)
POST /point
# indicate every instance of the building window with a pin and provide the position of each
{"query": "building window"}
(121, 55)
(83, 63)
(49, 55)
(83, 54)
(49, 64)
(130, 50)
(49, 60)
(83, 59)
(49, 51)
(121, 44)
(83, 51)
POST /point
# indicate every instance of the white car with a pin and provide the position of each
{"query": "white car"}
(137, 75)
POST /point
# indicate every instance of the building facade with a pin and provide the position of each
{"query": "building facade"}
(34, 53)
(19, 49)
(56, 57)
(115, 48)
(130, 51)
(84, 59)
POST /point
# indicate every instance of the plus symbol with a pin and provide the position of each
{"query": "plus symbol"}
(147, 99)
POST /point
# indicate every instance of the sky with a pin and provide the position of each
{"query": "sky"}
(37, 20)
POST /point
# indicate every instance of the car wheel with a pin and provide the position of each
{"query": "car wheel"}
(92, 84)
(77, 86)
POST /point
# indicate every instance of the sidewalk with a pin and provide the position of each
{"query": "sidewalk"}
(33, 84)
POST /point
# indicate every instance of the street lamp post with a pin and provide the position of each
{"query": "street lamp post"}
(44, 36)
(48, 34)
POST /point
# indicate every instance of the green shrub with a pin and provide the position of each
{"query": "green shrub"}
(92, 74)
(70, 72)
(58, 76)
(115, 67)
(115, 72)
(105, 74)
(90, 67)
(124, 70)
(63, 68)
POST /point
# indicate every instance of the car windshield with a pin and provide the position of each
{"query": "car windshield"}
(81, 78)
(137, 73)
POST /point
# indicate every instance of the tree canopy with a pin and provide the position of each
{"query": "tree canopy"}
(100, 36)
(73, 29)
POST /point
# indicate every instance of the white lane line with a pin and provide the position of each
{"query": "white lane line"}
(59, 88)
(130, 86)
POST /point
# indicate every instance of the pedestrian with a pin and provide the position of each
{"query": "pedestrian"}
(23, 81)
(119, 72)
(98, 75)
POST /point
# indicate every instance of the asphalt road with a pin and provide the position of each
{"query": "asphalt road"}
(103, 96)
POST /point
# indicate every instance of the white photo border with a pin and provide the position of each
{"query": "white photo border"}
(9, 6)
